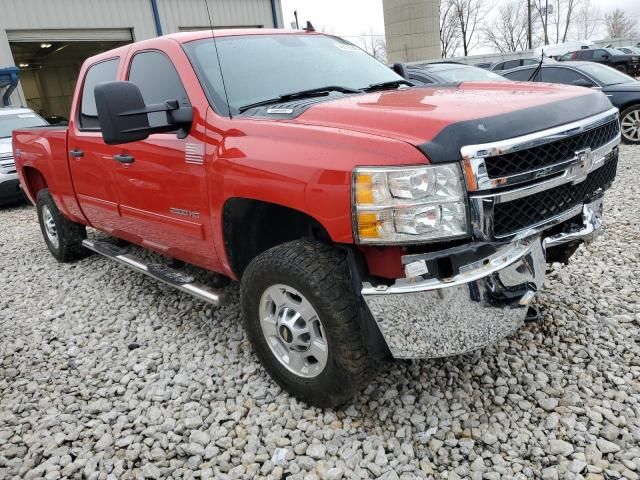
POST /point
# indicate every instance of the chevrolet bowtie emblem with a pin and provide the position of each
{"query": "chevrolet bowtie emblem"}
(583, 165)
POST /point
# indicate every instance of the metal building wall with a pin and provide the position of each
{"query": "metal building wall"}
(412, 29)
(189, 14)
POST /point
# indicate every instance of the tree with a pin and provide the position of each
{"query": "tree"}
(449, 30)
(467, 14)
(374, 45)
(587, 20)
(560, 16)
(619, 25)
(508, 32)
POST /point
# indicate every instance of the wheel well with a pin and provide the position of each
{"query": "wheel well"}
(34, 181)
(631, 103)
(253, 226)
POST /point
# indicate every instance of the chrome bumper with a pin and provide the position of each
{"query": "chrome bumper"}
(486, 301)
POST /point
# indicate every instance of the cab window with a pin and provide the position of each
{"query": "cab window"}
(520, 75)
(560, 75)
(155, 75)
(97, 73)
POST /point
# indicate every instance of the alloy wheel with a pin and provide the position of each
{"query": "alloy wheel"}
(50, 227)
(293, 330)
(630, 125)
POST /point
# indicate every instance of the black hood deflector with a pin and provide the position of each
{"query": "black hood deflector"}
(446, 145)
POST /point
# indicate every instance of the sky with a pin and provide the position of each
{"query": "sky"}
(351, 18)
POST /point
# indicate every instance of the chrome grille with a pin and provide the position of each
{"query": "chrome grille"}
(7, 164)
(533, 210)
(551, 153)
(541, 179)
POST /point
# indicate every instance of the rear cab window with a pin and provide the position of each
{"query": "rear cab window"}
(104, 71)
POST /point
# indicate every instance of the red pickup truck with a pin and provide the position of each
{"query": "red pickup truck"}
(365, 218)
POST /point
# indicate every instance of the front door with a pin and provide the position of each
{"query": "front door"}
(161, 180)
(93, 168)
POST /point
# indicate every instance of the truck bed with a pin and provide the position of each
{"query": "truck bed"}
(44, 149)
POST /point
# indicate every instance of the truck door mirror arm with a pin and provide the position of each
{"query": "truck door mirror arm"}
(123, 115)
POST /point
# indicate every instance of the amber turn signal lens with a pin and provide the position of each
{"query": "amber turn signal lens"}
(368, 225)
(364, 189)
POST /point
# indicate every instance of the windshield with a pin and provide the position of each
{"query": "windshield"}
(261, 67)
(464, 73)
(9, 122)
(605, 75)
(615, 51)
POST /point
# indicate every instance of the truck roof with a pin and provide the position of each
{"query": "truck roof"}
(184, 37)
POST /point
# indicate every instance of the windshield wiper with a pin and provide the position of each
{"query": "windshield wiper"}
(312, 92)
(390, 84)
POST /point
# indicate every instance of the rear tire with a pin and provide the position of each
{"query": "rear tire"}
(630, 125)
(305, 287)
(62, 236)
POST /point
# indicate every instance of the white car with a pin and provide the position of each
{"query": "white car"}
(10, 119)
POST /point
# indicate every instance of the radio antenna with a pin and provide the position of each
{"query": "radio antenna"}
(215, 47)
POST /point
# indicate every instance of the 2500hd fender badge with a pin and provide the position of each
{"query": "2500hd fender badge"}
(184, 213)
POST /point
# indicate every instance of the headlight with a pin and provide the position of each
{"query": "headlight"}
(408, 204)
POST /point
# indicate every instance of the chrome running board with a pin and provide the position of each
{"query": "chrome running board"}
(162, 273)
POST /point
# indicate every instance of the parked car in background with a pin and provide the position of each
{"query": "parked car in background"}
(629, 50)
(10, 119)
(611, 57)
(445, 72)
(520, 62)
(623, 91)
(484, 65)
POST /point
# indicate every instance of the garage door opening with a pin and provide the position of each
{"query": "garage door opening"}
(49, 69)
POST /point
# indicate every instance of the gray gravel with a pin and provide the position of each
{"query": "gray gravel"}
(105, 374)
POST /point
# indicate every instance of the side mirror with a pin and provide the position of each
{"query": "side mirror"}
(121, 112)
(123, 118)
(581, 82)
(606, 57)
(401, 69)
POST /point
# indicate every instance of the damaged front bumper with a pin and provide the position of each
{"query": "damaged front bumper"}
(485, 300)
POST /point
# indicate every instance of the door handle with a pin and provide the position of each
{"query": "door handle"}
(122, 158)
(76, 153)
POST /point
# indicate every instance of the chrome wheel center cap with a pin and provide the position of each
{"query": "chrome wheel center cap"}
(293, 331)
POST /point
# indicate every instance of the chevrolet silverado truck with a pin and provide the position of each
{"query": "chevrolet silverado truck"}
(365, 218)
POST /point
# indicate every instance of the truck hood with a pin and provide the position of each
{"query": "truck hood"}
(439, 120)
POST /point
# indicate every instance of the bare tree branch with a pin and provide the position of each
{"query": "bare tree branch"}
(586, 20)
(508, 33)
(467, 14)
(619, 25)
(374, 45)
(449, 30)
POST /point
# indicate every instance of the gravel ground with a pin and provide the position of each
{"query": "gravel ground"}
(106, 374)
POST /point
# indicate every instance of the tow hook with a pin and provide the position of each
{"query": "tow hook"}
(532, 315)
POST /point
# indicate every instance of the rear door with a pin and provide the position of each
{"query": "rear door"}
(93, 169)
(602, 56)
(163, 191)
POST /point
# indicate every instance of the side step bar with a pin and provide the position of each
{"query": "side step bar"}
(162, 273)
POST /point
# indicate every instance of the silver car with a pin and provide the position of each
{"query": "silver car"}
(10, 119)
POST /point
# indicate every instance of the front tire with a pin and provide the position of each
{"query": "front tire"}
(62, 236)
(630, 125)
(301, 317)
(621, 68)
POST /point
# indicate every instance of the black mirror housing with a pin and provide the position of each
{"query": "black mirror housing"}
(401, 69)
(581, 82)
(121, 112)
